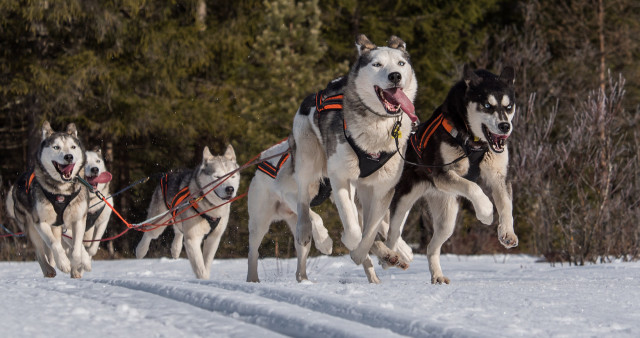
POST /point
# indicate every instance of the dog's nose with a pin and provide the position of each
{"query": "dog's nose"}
(68, 158)
(95, 170)
(395, 77)
(504, 127)
(229, 190)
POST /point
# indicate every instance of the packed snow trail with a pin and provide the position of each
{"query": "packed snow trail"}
(489, 296)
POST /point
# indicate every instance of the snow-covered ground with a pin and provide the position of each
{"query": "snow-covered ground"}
(489, 296)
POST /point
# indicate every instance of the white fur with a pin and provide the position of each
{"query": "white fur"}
(95, 233)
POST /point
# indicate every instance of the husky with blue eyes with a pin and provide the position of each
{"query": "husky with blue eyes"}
(459, 150)
(200, 215)
(352, 133)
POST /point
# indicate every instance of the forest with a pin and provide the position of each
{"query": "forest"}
(153, 82)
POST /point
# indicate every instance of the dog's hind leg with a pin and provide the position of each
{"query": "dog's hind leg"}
(321, 238)
(367, 264)
(258, 227)
(176, 245)
(444, 210)
(302, 251)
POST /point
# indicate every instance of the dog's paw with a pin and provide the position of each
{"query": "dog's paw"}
(76, 273)
(404, 250)
(508, 240)
(484, 210)
(394, 260)
(440, 280)
(63, 263)
(325, 246)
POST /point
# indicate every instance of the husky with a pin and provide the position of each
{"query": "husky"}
(272, 197)
(191, 188)
(47, 201)
(461, 145)
(351, 133)
(96, 174)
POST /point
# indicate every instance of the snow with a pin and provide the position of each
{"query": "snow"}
(489, 296)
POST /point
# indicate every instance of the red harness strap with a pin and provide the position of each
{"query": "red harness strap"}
(269, 169)
(177, 199)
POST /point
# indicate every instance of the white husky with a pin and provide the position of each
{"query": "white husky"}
(99, 213)
(345, 133)
(48, 200)
(178, 188)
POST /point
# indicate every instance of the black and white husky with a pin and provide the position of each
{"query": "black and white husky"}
(180, 188)
(463, 143)
(345, 133)
(96, 174)
(48, 201)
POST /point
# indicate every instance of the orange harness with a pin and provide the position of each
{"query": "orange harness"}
(179, 197)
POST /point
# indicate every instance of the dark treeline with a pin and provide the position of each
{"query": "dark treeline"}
(153, 82)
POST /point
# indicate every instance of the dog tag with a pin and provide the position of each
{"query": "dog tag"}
(60, 198)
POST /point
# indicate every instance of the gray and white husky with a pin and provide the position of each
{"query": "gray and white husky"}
(345, 133)
(461, 145)
(99, 213)
(180, 187)
(48, 200)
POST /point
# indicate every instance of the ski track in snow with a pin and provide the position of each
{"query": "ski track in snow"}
(505, 295)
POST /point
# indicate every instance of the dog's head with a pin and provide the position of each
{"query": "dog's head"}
(384, 78)
(61, 153)
(214, 168)
(490, 104)
(95, 171)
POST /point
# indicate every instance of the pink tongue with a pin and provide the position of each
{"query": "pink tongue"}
(397, 97)
(66, 170)
(104, 177)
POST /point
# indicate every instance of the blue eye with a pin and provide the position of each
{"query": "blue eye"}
(401, 63)
(56, 147)
(377, 64)
(509, 107)
(487, 106)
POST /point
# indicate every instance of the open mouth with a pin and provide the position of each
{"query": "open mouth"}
(496, 142)
(396, 102)
(64, 170)
(104, 177)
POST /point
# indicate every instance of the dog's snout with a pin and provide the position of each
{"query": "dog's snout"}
(395, 77)
(95, 170)
(229, 190)
(504, 127)
(68, 158)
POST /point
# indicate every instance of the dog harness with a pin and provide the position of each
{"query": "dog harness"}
(368, 163)
(325, 186)
(59, 202)
(92, 217)
(475, 154)
(179, 197)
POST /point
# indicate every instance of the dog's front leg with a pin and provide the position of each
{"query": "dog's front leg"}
(374, 209)
(502, 195)
(453, 183)
(192, 244)
(55, 244)
(211, 244)
(343, 196)
(80, 259)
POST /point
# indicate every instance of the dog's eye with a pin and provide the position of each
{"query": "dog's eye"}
(73, 147)
(509, 107)
(487, 106)
(377, 64)
(97, 161)
(401, 63)
(56, 147)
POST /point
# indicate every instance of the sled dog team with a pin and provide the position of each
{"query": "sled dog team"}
(357, 141)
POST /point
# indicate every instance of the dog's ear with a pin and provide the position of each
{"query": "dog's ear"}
(71, 130)
(206, 155)
(397, 43)
(97, 150)
(470, 77)
(230, 154)
(46, 130)
(364, 44)
(508, 76)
